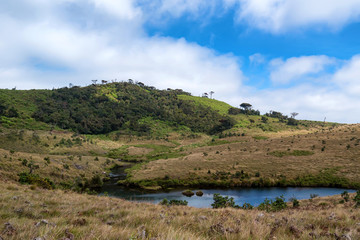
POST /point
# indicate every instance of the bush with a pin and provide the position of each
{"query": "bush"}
(247, 206)
(295, 202)
(313, 195)
(345, 196)
(27, 178)
(173, 202)
(273, 206)
(223, 202)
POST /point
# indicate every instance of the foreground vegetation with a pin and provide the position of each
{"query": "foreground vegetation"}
(31, 212)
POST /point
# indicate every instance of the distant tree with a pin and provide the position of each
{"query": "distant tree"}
(294, 114)
(94, 81)
(246, 106)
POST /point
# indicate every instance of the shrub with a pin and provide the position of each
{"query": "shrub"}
(247, 206)
(27, 178)
(295, 202)
(273, 206)
(178, 202)
(47, 160)
(173, 202)
(223, 202)
(345, 196)
(313, 195)
(164, 202)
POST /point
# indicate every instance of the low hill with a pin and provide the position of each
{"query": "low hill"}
(99, 109)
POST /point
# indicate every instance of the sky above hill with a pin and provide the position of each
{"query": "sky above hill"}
(284, 55)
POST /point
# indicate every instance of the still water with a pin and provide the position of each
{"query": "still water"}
(254, 196)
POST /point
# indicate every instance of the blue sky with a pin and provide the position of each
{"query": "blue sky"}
(283, 55)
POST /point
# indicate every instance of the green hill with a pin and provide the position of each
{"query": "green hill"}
(99, 109)
(218, 106)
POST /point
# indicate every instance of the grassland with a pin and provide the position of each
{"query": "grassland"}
(27, 213)
(319, 157)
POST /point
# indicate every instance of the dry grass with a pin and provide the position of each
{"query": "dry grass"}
(95, 217)
(334, 148)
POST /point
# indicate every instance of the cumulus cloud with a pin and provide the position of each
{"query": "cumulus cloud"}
(278, 16)
(348, 77)
(275, 16)
(52, 52)
(295, 68)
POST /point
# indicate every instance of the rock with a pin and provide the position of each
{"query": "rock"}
(42, 222)
(9, 230)
(188, 193)
(15, 197)
(39, 238)
(295, 231)
(199, 193)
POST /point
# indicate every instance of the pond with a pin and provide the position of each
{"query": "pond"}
(254, 196)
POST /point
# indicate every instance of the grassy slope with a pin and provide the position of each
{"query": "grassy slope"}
(219, 106)
(60, 213)
(329, 155)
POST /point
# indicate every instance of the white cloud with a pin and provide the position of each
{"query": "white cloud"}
(257, 58)
(34, 51)
(295, 68)
(348, 77)
(278, 16)
(123, 9)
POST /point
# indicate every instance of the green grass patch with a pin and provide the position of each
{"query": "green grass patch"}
(118, 152)
(291, 153)
(260, 137)
(219, 106)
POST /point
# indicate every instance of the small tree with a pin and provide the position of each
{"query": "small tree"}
(294, 114)
(246, 106)
(223, 202)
